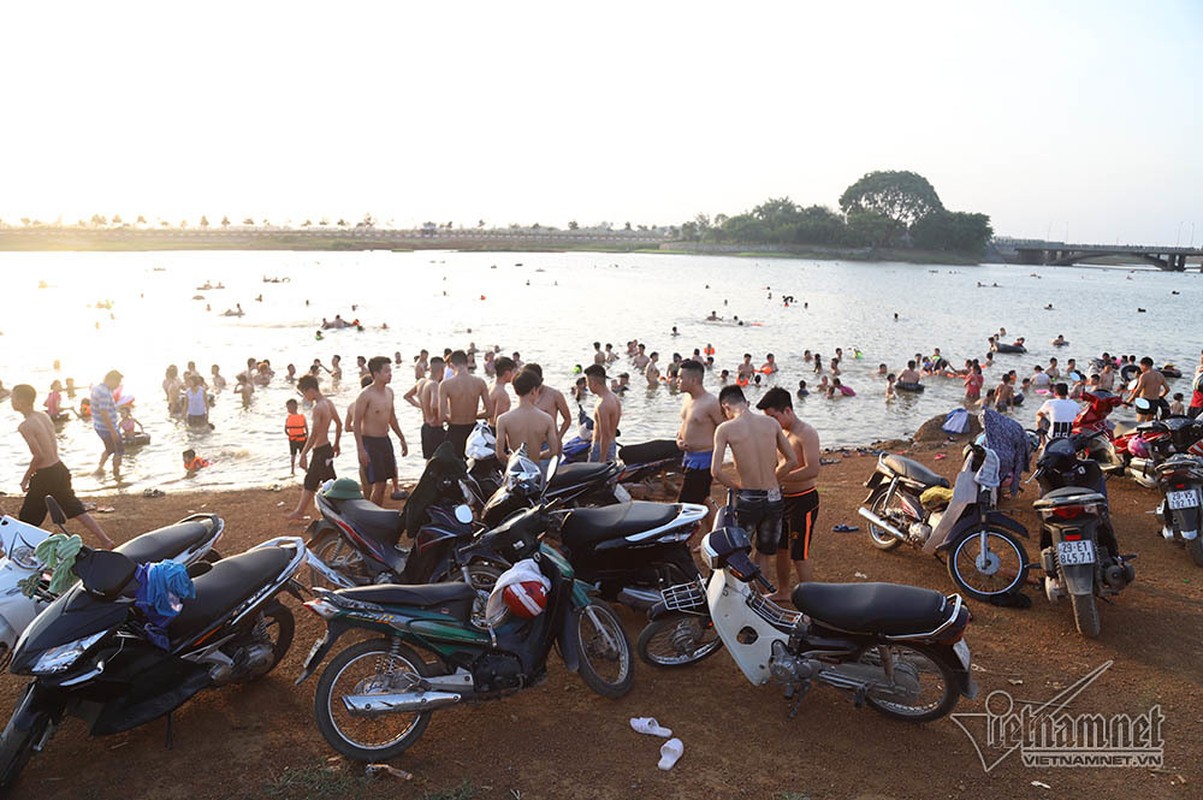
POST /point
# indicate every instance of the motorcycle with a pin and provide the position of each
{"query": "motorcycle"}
(582, 484)
(1097, 430)
(187, 541)
(1079, 551)
(898, 649)
(375, 698)
(1180, 478)
(1153, 441)
(95, 654)
(910, 504)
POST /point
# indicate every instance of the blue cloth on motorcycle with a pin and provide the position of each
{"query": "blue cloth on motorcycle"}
(1010, 442)
(162, 588)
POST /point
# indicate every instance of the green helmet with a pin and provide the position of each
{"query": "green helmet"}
(344, 489)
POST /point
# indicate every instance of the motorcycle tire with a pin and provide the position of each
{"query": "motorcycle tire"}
(16, 746)
(678, 641)
(604, 650)
(1006, 558)
(881, 538)
(277, 615)
(939, 707)
(1194, 549)
(1086, 615)
(332, 550)
(346, 733)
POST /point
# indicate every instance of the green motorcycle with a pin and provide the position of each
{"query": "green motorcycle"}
(374, 699)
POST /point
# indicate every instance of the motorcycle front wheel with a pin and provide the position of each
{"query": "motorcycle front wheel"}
(988, 562)
(881, 538)
(376, 666)
(916, 686)
(1086, 615)
(678, 641)
(604, 650)
(341, 557)
(16, 746)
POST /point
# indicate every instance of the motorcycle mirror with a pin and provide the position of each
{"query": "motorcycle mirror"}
(56, 511)
(463, 514)
(552, 464)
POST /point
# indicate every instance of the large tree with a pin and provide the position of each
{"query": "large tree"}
(902, 197)
(953, 231)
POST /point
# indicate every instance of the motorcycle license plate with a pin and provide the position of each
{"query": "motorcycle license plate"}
(313, 651)
(1181, 500)
(962, 651)
(1076, 552)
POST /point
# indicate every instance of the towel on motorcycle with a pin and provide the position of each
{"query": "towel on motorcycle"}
(444, 468)
(523, 571)
(162, 589)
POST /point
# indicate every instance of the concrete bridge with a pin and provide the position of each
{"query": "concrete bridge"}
(1036, 251)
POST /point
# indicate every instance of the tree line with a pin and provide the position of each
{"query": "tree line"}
(895, 209)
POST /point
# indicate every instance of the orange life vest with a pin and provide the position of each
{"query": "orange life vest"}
(196, 463)
(296, 428)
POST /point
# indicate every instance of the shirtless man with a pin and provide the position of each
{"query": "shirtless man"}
(1107, 377)
(1151, 385)
(499, 399)
(46, 474)
(598, 356)
(463, 399)
(420, 365)
(375, 414)
(1004, 395)
(433, 432)
(552, 400)
(652, 371)
(606, 415)
(797, 488)
(527, 424)
(700, 415)
(755, 440)
(320, 467)
(910, 374)
(769, 366)
(641, 360)
(611, 356)
(746, 369)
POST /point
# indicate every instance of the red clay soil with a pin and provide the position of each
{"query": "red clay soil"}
(560, 740)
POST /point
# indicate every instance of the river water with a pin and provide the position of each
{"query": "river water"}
(548, 306)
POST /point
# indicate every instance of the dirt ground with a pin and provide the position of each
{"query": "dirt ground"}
(561, 740)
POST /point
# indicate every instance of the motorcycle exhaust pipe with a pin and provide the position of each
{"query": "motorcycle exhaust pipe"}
(373, 705)
(879, 522)
(638, 599)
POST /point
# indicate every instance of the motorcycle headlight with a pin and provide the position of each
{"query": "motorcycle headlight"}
(57, 659)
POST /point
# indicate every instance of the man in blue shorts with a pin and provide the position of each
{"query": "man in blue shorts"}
(105, 422)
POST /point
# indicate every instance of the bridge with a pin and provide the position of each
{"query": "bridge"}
(1061, 254)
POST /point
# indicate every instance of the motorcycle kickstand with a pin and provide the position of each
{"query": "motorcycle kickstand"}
(170, 732)
(792, 693)
(859, 695)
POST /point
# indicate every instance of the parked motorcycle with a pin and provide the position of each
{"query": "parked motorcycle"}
(91, 654)
(569, 485)
(375, 698)
(899, 649)
(1097, 430)
(1141, 450)
(908, 503)
(1180, 478)
(1079, 551)
(187, 541)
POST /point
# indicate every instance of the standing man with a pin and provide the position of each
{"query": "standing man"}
(499, 399)
(552, 401)
(104, 422)
(527, 424)
(420, 365)
(427, 391)
(652, 371)
(798, 488)
(700, 416)
(606, 414)
(46, 474)
(641, 360)
(1151, 386)
(755, 440)
(463, 399)
(746, 369)
(375, 414)
(317, 457)
(598, 356)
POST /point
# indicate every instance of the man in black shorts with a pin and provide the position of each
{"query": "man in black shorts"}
(46, 474)
(797, 486)
(317, 457)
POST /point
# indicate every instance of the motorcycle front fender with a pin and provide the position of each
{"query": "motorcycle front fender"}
(971, 520)
(321, 649)
(316, 529)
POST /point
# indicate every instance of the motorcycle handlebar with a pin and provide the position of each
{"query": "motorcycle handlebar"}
(764, 582)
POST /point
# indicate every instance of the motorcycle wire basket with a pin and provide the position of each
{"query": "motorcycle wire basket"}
(781, 618)
(684, 596)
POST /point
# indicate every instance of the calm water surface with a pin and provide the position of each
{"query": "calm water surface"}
(548, 306)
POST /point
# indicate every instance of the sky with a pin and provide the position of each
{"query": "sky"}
(1073, 120)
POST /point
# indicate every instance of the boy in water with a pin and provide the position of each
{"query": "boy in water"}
(46, 474)
(321, 467)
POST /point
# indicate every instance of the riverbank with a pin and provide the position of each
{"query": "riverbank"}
(561, 740)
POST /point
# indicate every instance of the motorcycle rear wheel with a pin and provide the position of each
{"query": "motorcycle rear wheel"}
(604, 650)
(279, 626)
(1002, 569)
(881, 538)
(341, 557)
(16, 746)
(914, 666)
(1086, 615)
(375, 666)
(678, 641)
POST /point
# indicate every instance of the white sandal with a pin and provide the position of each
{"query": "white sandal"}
(670, 753)
(649, 726)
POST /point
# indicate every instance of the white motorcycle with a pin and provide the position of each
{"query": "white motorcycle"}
(189, 540)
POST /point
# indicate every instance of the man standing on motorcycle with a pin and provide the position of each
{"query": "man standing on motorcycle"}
(700, 416)
(755, 440)
(798, 489)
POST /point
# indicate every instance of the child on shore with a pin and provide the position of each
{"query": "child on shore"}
(297, 431)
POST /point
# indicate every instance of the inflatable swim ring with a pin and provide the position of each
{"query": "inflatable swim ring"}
(1129, 372)
(137, 440)
(1010, 348)
(1061, 343)
(903, 386)
(1170, 371)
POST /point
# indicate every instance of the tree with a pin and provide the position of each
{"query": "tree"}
(953, 231)
(225, 222)
(572, 225)
(204, 221)
(870, 227)
(141, 220)
(626, 227)
(116, 219)
(480, 223)
(903, 198)
(248, 221)
(368, 220)
(342, 223)
(99, 221)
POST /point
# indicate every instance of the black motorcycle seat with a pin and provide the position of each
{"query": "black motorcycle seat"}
(577, 474)
(886, 608)
(456, 597)
(585, 526)
(914, 471)
(367, 518)
(222, 588)
(648, 452)
(168, 542)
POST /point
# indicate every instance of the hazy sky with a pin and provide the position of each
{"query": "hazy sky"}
(1078, 118)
